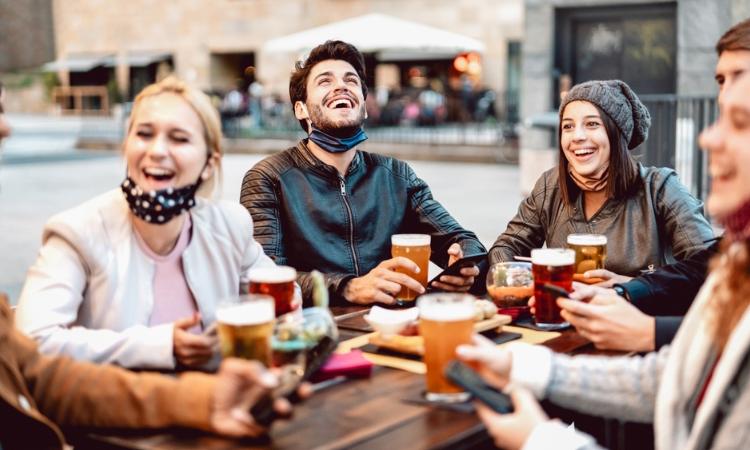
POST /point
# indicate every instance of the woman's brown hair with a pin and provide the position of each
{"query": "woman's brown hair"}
(623, 170)
(731, 295)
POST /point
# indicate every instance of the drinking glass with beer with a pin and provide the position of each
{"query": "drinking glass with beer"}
(278, 282)
(415, 247)
(245, 325)
(446, 320)
(591, 251)
(551, 266)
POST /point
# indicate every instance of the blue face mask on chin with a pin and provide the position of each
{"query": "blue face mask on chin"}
(333, 144)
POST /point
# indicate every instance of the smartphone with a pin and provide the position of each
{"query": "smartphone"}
(555, 290)
(467, 261)
(465, 377)
(290, 379)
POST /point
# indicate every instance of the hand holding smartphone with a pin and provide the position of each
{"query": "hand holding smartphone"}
(455, 268)
(556, 290)
(290, 379)
(465, 377)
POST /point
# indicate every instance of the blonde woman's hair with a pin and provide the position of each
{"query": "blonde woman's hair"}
(208, 115)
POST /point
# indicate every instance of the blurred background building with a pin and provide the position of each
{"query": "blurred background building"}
(665, 50)
(475, 80)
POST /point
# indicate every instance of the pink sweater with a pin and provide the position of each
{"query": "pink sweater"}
(172, 297)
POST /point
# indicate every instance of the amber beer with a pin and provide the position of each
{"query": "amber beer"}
(278, 282)
(446, 320)
(591, 251)
(415, 247)
(551, 266)
(245, 326)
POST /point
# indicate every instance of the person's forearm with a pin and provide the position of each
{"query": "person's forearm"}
(335, 283)
(73, 393)
(622, 387)
(665, 329)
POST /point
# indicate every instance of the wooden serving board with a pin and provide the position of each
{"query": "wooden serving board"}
(414, 345)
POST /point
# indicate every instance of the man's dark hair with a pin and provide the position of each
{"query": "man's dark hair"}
(623, 178)
(736, 38)
(338, 50)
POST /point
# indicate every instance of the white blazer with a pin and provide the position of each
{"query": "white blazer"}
(90, 292)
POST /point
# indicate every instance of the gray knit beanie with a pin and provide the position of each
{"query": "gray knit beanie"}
(619, 102)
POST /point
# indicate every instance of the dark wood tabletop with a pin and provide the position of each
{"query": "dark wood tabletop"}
(362, 413)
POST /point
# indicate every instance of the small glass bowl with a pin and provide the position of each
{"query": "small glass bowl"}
(510, 284)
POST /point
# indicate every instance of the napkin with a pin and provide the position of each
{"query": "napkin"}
(380, 314)
(351, 365)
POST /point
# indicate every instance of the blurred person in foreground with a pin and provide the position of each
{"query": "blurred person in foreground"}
(39, 394)
(696, 389)
(649, 218)
(132, 277)
(643, 313)
(325, 204)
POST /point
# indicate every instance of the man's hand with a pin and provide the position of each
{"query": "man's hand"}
(241, 384)
(382, 284)
(494, 362)
(610, 278)
(611, 323)
(510, 431)
(457, 284)
(192, 350)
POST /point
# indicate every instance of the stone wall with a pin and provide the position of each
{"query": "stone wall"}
(193, 29)
(26, 35)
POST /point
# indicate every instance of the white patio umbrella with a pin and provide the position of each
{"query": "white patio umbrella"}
(379, 33)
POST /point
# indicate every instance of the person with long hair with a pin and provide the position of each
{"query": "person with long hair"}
(133, 276)
(695, 390)
(644, 313)
(648, 216)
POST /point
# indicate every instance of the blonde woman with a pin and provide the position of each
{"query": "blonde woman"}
(132, 276)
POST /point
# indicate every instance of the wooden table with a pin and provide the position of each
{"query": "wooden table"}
(364, 414)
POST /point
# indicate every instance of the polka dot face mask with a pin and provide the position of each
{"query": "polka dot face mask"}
(159, 206)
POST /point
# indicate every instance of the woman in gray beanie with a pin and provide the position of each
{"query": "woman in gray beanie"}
(647, 215)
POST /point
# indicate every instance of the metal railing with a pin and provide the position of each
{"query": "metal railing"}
(474, 134)
(676, 122)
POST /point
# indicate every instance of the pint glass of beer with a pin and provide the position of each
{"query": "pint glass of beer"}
(278, 282)
(446, 320)
(416, 247)
(245, 325)
(551, 266)
(591, 251)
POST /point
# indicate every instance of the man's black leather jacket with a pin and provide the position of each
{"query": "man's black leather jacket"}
(309, 217)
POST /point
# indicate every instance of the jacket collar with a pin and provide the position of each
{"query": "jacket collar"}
(319, 167)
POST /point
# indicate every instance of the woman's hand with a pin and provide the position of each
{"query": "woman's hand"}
(191, 350)
(510, 431)
(494, 363)
(611, 323)
(610, 278)
(457, 283)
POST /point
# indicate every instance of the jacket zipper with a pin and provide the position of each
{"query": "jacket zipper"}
(342, 184)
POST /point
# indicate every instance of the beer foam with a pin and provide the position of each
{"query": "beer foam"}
(587, 239)
(553, 257)
(277, 274)
(447, 312)
(410, 240)
(250, 313)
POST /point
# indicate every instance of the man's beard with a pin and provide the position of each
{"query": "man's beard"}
(341, 129)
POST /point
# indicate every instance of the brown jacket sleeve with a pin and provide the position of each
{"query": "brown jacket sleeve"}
(73, 393)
